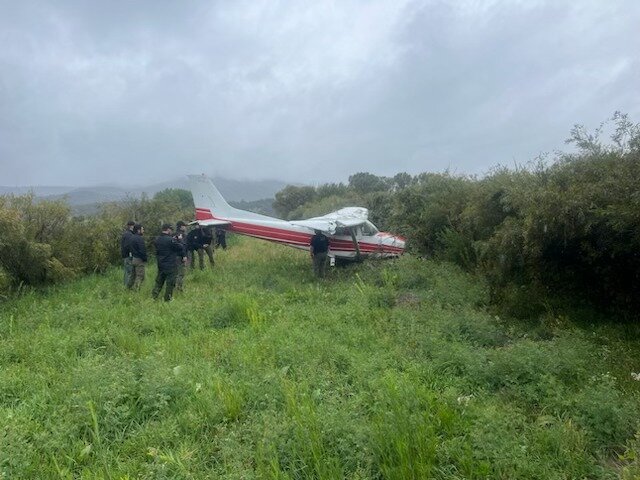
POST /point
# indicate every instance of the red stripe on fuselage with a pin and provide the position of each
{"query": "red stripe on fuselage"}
(295, 239)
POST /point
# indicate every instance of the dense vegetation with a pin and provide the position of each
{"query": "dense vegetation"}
(562, 228)
(41, 243)
(387, 370)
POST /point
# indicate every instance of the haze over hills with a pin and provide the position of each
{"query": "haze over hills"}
(232, 190)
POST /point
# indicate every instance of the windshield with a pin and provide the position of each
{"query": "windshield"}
(369, 228)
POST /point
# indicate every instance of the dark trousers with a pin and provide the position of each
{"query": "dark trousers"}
(201, 251)
(221, 240)
(181, 269)
(320, 264)
(128, 270)
(168, 277)
(137, 275)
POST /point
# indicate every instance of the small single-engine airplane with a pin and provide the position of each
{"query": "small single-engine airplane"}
(351, 235)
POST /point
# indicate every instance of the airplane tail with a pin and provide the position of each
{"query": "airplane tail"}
(208, 201)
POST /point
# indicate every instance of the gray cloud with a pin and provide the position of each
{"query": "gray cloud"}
(130, 92)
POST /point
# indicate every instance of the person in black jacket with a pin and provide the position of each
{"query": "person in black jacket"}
(221, 238)
(138, 251)
(193, 244)
(167, 252)
(201, 240)
(319, 248)
(181, 265)
(124, 251)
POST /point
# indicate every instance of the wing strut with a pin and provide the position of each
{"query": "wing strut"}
(355, 244)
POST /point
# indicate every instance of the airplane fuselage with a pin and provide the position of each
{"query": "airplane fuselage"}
(377, 245)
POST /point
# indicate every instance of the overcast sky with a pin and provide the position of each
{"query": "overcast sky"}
(140, 91)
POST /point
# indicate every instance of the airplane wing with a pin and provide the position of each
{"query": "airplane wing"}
(345, 217)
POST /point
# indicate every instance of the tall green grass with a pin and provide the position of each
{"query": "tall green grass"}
(383, 370)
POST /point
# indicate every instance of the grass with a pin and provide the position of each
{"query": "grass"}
(389, 370)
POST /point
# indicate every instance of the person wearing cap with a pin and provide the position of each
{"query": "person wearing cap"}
(168, 250)
(125, 252)
(138, 257)
(181, 262)
(319, 249)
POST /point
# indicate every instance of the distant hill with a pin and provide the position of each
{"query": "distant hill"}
(232, 190)
(39, 191)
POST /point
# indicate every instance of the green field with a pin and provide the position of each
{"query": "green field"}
(392, 369)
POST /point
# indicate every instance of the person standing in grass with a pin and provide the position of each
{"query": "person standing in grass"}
(201, 241)
(168, 250)
(138, 257)
(181, 261)
(221, 238)
(319, 249)
(207, 246)
(125, 252)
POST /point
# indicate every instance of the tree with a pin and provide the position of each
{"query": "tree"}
(292, 197)
(364, 182)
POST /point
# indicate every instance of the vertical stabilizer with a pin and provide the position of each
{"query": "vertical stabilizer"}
(208, 201)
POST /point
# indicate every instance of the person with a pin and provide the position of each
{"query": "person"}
(181, 262)
(193, 243)
(207, 246)
(319, 249)
(138, 257)
(221, 238)
(125, 252)
(168, 250)
(200, 239)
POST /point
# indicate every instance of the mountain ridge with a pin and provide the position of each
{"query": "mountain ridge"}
(231, 189)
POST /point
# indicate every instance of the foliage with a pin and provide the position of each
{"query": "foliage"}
(42, 244)
(292, 197)
(566, 227)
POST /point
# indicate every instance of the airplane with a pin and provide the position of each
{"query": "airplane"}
(352, 237)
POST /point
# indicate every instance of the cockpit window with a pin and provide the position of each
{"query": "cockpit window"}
(366, 229)
(369, 229)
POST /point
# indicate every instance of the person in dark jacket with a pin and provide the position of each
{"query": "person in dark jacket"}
(221, 238)
(181, 262)
(168, 250)
(124, 251)
(193, 243)
(200, 240)
(138, 257)
(319, 249)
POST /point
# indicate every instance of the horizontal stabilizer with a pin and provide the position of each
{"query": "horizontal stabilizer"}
(209, 223)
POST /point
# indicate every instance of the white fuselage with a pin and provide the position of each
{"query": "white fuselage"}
(378, 244)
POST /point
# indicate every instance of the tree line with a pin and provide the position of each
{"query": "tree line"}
(41, 243)
(562, 226)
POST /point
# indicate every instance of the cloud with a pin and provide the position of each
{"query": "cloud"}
(302, 91)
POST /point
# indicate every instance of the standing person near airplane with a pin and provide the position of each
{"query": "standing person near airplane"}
(221, 238)
(138, 257)
(199, 240)
(207, 246)
(168, 251)
(125, 252)
(319, 249)
(181, 262)
(193, 243)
